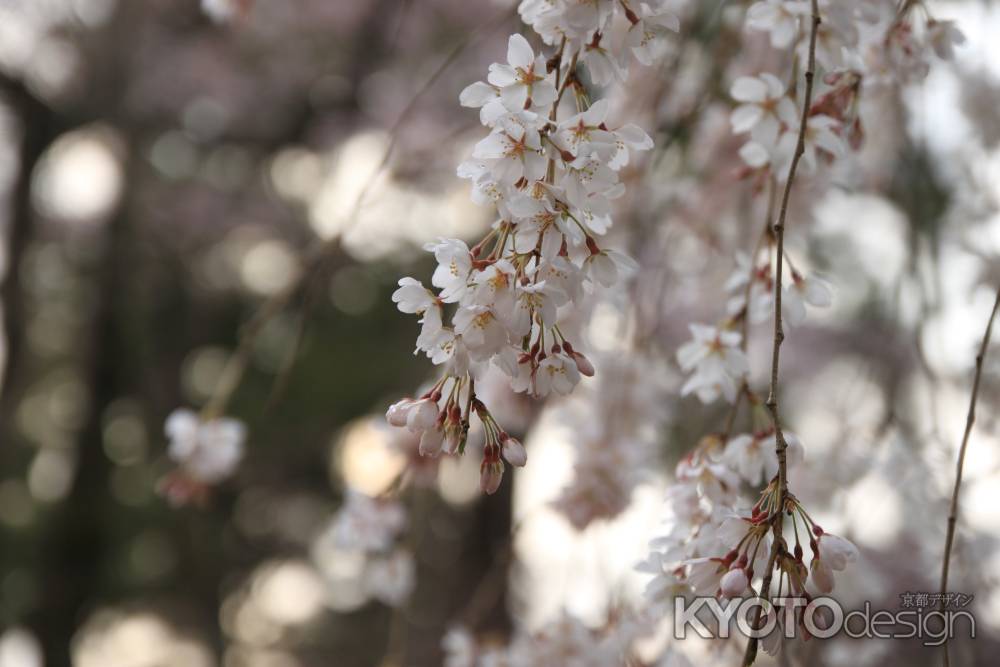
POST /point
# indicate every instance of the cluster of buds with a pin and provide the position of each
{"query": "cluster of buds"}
(445, 428)
(498, 444)
(440, 428)
(730, 575)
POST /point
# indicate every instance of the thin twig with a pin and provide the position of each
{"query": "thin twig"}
(969, 421)
(779, 337)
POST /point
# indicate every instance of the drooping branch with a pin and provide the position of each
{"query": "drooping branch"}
(969, 421)
(779, 336)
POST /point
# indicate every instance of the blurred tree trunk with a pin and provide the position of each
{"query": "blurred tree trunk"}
(38, 128)
(463, 558)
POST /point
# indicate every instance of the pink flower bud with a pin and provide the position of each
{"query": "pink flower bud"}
(583, 365)
(430, 442)
(490, 474)
(836, 551)
(734, 582)
(514, 451)
(397, 412)
(822, 575)
(452, 438)
(422, 415)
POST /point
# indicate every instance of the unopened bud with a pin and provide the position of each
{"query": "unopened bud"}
(583, 364)
(397, 412)
(513, 451)
(422, 415)
(431, 441)
(734, 582)
(490, 475)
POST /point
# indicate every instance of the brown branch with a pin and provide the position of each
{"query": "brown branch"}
(779, 336)
(969, 421)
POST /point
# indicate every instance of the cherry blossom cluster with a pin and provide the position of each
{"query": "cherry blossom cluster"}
(368, 530)
(206, 451)
(552, 177)
(857, 42)
(711, 547)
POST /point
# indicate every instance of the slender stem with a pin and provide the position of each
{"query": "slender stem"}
(969, 421)
(779, 336)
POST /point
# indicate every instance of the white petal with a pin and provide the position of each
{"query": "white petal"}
(519, 53)
(634, 137)
(792, 307)
(784, 33)
(182, 424)
(502, 75)
(754, 154)
(775, 88)
(818, 293)
(749, 89)
(477, 94)
(745, 117)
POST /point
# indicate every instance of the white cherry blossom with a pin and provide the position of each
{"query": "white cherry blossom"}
(209, 450)
(717, 363)
(705, 574)
(556, 373)
(754, 456)
(651, 28)
(486, 98)
(832, 553)
(804, 290)
(778, 17)
(602, 64)
(607, 267)
(943, 37)
(454, 266)
(481, 329)
(523, 82)
(821, 136)
(764, 110)
(512, 151)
